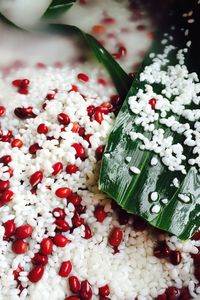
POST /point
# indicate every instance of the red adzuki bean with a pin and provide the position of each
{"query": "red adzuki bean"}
(46, 246)
(65, 269)
(39, 259)
(19, 247)
(60, 240)
(63, 192)
(36, 273)
(24, 231)
(74, 284)
(36, 178)
(115, 237)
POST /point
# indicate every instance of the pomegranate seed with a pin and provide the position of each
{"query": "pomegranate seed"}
(80, 209)
(65, 269)
(74, 88)
(90, 110)
(77, 220)
(115, 100)
(106, 107)
(115, 237)
(197, 273)
(175, 257)
(60, 240)
(83, 77)
(4, 185)
(102, 81)
(162, 250)
(17, 143)
(172, 293)
(81, 131)
(36, 273)
(24, 231)
(16, 82)
(2, 110)
(139, 224)
(6, 159)
(83, 2)
(98, 29)
(7, 196)
(108, 20)
(23, 91)
(75, 199)
(73, 298)
(63, 192)
(9, 133)
(152, 102)
(50, 97)
(162, 297)
(185, 294)
(46, 246)
(40, 65)
(86, 291)
(63, 119)
(6, 139)
(17, 271)
(122, 51)
(36, 178)
(123, 217)
(39, 259)
(104, 290)
(57, 168)
(80, 150)
(105, 110)
(151, 35)
(75, 127)
(87, 138)
(24, 112)
(99, 152)
(74, 284)
(58, 213)
(100, 213)
(196, 259)
(9, 228)
(71, 169)
(196, 236)
(42, 129)
(33, 148)
(62, 225)
(10, 171)
(141, 27)
(98, 115)
(24, 83)
(19, 247)
(88, 233)
(44, 105)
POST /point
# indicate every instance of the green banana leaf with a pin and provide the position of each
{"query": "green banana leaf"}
(132, 192)
(58, 7)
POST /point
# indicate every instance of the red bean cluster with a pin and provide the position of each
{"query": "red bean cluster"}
(22, 85)
(162, 250)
